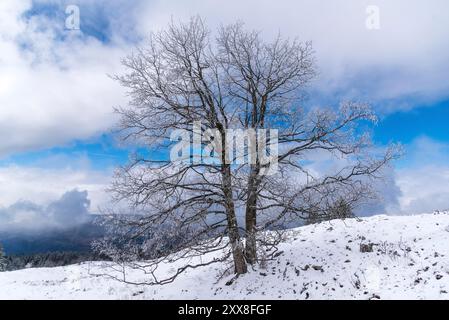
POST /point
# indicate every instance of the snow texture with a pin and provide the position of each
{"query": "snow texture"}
(381, 257)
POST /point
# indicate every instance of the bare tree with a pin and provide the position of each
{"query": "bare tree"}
(236, 80)
(267, 79)
(341, 209)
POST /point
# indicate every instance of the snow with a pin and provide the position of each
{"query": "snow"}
(409, 260)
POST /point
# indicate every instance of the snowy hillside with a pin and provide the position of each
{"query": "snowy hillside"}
(405, 257)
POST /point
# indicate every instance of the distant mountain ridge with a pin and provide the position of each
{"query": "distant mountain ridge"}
(75, 239)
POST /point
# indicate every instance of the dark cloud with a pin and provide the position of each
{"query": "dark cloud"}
(388, 194)
(70, 210)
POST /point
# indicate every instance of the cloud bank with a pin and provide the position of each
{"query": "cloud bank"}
(404, 60)
(70, 210)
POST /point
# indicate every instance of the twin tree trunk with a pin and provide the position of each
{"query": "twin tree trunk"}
(233, 228)
(241, 255)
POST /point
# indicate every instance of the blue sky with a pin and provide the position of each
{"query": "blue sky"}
(103, 150)
(56, 98)
(405, 126)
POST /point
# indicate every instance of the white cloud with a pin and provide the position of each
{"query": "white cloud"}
(42, 185)
(418, 184)
(52, 91)
(424, 189)
(424, 180)
(406, 58)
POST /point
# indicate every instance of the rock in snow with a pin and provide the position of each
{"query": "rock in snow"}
(409, 260)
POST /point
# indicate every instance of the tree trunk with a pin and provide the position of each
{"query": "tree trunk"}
(251, 219)
(233, 231)
(250, 249)
(237, 252)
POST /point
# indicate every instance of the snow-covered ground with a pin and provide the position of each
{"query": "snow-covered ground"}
(409, 260)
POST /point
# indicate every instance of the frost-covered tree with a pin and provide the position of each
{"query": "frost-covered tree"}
(214, 211)
(3, 261)
(341, 209)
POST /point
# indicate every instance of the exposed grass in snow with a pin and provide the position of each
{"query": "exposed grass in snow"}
(404, 257)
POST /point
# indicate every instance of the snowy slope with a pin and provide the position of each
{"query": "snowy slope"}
(409, 260)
